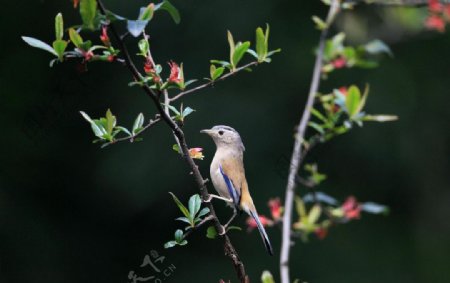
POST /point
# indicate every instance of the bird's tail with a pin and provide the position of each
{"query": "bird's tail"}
(262, 231)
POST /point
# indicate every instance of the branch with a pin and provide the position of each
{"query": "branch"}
(150, 124)
(201, 183)
(297, 156)
(210, 83)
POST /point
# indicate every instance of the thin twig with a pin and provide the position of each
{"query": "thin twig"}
(150, 124)
(196, 227)
(154, 95)
(297, 157)
(210, 83)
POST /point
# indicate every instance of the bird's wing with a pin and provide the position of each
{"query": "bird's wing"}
(233, 175)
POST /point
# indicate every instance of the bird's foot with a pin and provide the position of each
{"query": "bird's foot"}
(223, 230)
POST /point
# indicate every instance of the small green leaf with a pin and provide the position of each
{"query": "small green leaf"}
(59, 26)
(144, 47)
(316, 127)
(314, 214)
(136, 27)
(39, 44)
(215, 72)
(377, 46)
(231, 44)
(261, 49)
(352, 101)
(123, 129)
(60, 46)
(138, 123)
(194, 205)
(267, 277)
(176, 148)
(374, 208)
(111, 121)
(179, 236)
(203, 212)
(147, 12)
(320, 24)
(88, 11)
(76, 38)
(380, 118)
(166, 5)
(239, 53)
(182, 208)
(211, 232)
(187, 111)
(170, 244)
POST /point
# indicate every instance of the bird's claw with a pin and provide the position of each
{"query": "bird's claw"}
(208, 199)
(223, 230)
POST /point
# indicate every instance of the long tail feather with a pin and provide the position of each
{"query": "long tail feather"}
(262, 232)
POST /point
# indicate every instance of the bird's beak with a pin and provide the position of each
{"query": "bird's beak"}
(208, 132)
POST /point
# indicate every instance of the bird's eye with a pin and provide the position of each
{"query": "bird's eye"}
(220, 132)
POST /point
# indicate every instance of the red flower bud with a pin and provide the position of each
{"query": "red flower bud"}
(435, 6)
(275, 208)
(435, 22)
(339, 63)
(251, 223)
(174, 73)
(104, 36)
(321, 233)
(351, 208)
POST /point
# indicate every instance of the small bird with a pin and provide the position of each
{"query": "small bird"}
(228, 176)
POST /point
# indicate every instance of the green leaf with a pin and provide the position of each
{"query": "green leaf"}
(215, 73)
(179, 236)
(318, 115)
(144, 46)
(211, 232)
(380, 118)
(123, 129)
(362, 103)
(39, 44)
(170, 244)
(377, 46)
(110, 121)
(182, 208)
(176, 148)
(203, 212)
(136, 27)
(60, 46)
(316, 127)
(138, 123)
(59, 26)
(261, 48)
(374, 208)
(166, 5)
(314, 214)
(146, 13)
(183, 243)
(76, 38)
(239, 53)
(194, 205)
(232, 46)
(187, 111)
(267, 277)
(352, 101)
(88, 11)
(320, 24)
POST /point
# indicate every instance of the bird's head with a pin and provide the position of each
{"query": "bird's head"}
(225, 136)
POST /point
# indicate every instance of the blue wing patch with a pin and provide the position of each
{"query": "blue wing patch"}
(231, 190)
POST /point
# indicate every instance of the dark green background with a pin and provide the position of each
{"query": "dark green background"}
(71, 212)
